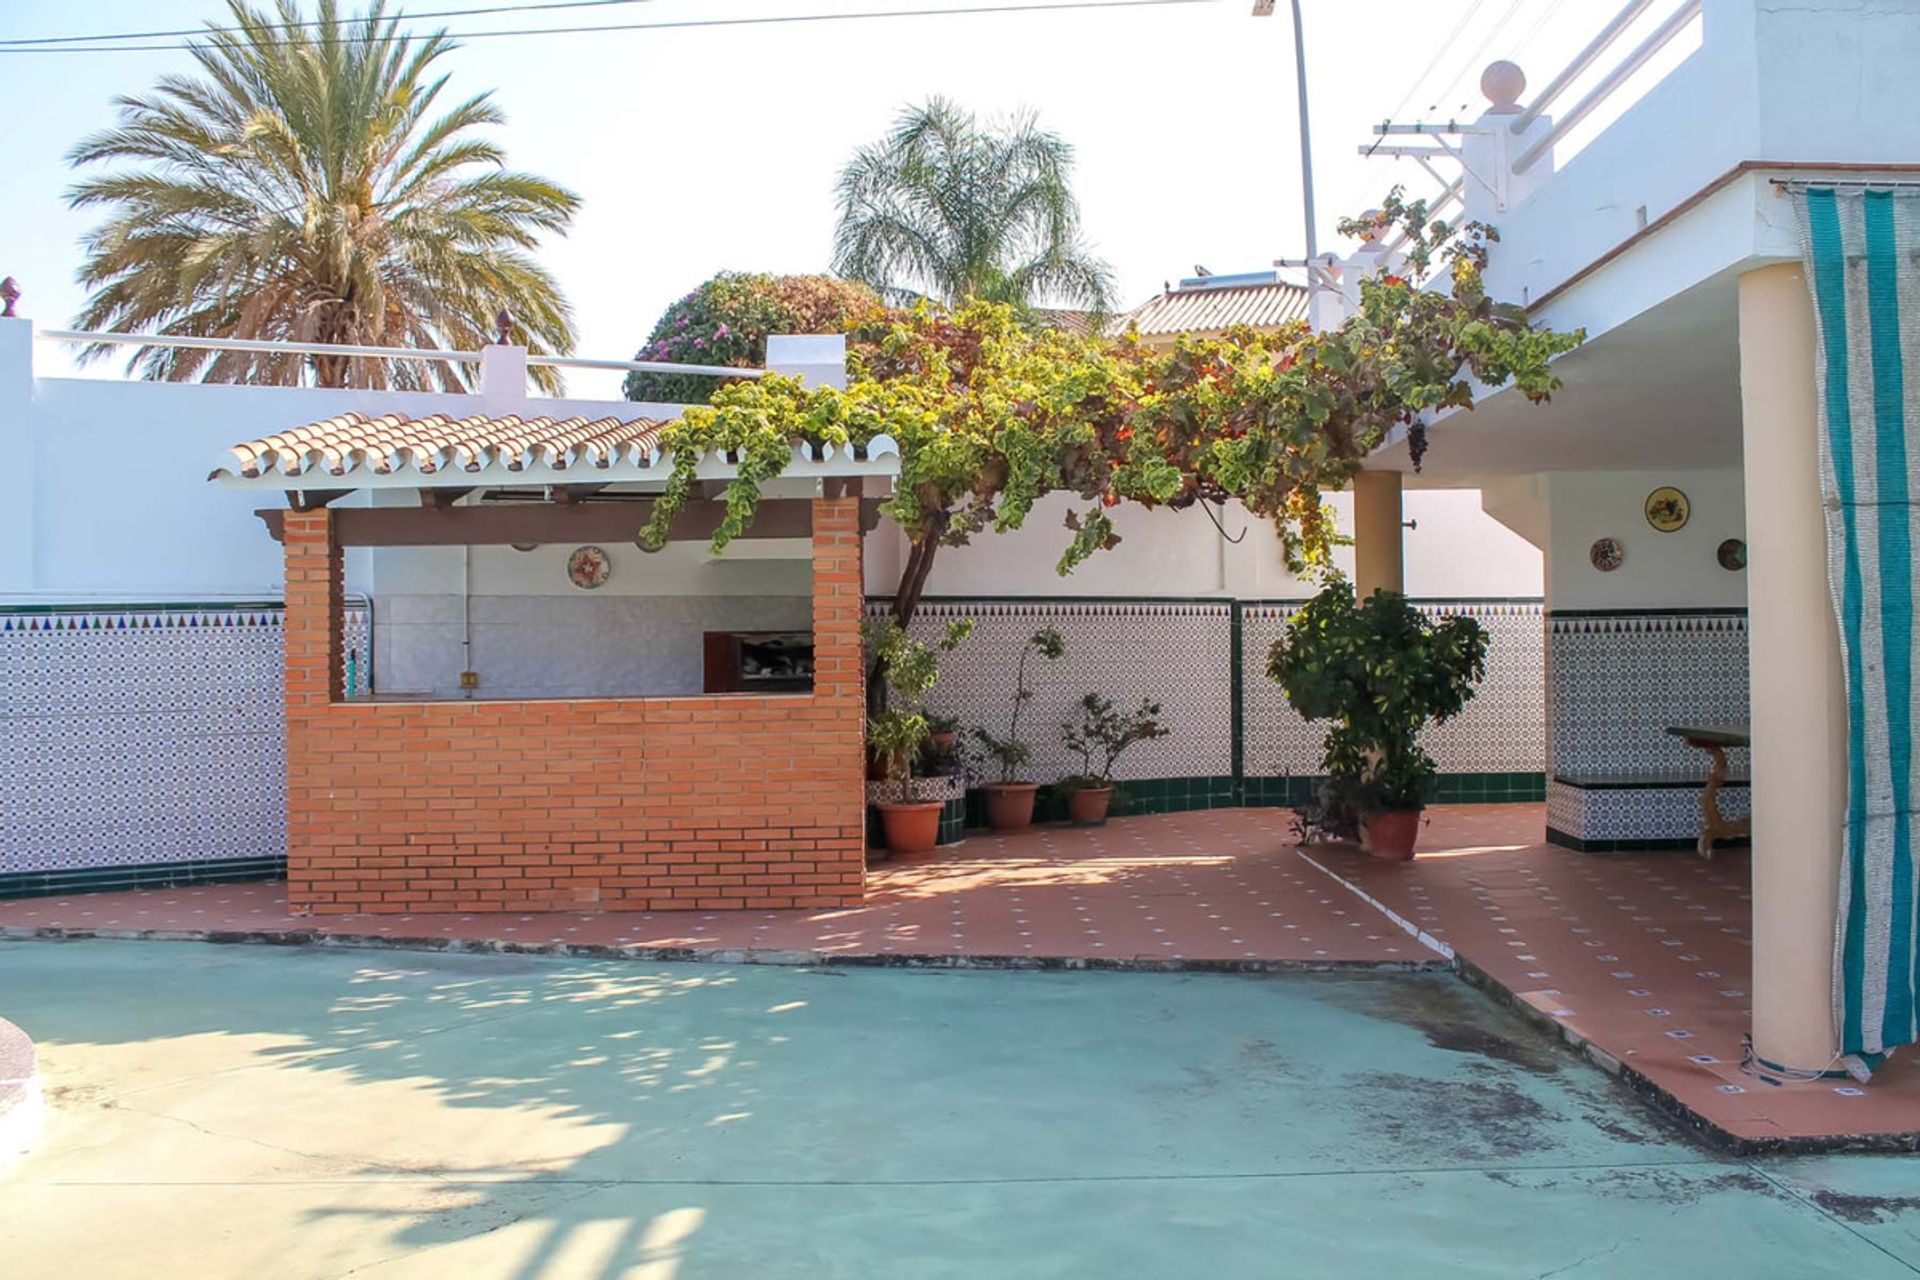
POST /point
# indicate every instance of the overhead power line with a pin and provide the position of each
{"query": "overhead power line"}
(1413, 85)
(475, 11)
(1470, 66)
(685, 24)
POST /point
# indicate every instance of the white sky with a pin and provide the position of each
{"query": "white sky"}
(716, 149)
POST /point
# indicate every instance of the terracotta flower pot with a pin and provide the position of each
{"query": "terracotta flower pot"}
(911, 828)
(1390, 836)
(1087, 806)
(1010, 805)
(943, 739)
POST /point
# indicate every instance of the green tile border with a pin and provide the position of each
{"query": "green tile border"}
(176, 606)
(1223, 791)
(147, 875)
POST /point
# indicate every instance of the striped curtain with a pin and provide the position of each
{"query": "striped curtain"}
(1862, 250)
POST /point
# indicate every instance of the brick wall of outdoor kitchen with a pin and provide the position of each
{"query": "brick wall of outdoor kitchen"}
(631, 803)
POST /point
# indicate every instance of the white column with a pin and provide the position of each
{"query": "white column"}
(503, 377)
(1798, 696)
(820, 358)
(17, 444)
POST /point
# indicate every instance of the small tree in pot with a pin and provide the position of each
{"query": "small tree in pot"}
(1382, 671)
(896, 734)
(1104, 732)
(1010, 799)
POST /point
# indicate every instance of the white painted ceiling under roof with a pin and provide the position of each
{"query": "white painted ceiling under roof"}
(1660, 390)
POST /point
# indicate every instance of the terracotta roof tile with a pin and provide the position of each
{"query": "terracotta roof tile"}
(438, 442)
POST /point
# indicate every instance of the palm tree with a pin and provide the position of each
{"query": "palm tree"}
(944, 208)
(300, 190)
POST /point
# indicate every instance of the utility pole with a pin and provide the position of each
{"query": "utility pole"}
(1264, 9)
(1306, 135)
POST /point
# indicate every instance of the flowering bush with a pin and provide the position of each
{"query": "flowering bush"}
(727, 321)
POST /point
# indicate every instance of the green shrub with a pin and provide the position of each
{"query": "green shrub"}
(1382, 670)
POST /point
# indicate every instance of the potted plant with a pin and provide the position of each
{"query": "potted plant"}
(1104, 732)
(943, 731)
(1010, 798)
(1381, 670)
(897, 733)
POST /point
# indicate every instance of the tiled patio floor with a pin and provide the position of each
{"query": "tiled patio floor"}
(1644, 956)
(1188, 889)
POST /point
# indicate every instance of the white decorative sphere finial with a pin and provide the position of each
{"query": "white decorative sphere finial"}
(1503, 82)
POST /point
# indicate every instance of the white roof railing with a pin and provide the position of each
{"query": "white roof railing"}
(266, 347)
(1498, 151)
(1658, 39)
(1581, 61)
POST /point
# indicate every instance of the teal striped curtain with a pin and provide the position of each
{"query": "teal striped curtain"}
(1862, 249)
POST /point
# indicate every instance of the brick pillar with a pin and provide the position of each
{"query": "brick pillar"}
(313, 678)
(839, 597)
(314, 607)
(840, 687)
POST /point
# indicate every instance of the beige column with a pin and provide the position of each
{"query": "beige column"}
(1798, 699)
(1377, 552)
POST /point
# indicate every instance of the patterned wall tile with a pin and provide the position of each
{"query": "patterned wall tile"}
(1174, 653)
(1502, 730)
(1615, 682)
(1181, 654)
(132, 736)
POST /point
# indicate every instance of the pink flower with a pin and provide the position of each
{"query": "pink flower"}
(720, 333)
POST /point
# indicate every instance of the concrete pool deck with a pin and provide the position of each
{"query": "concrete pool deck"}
(314, 1113)
(1640, 959)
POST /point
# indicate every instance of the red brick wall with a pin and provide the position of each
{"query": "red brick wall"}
(596, 803)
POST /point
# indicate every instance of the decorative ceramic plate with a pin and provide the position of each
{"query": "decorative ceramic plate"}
(1607, 554)
(1732, 555)
(1668, 509)
(588, 567)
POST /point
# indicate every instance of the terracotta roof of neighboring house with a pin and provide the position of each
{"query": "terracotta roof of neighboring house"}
(1203, 309)
(1078, 323)
(353, 451)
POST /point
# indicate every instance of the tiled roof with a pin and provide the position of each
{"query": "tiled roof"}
(1203, 310)
(1078, 323)
(393, 442)
(440, 450)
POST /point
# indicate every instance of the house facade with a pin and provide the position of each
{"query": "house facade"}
(1727, 242)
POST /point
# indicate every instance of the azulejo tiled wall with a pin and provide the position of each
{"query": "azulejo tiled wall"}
(1174, 653)
(1502, 730)
(1618, 680)
(143, 743)
(1235, 739)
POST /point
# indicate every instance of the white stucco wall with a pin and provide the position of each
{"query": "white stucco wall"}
(107, 495)
(1456, 551)
(1662, 570)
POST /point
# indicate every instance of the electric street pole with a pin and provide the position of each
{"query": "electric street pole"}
(1264, 9)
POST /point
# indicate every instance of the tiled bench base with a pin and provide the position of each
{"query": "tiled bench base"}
(1618, 814)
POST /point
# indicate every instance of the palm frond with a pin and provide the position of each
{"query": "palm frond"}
(305, 186)
(947, 206)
